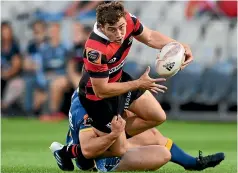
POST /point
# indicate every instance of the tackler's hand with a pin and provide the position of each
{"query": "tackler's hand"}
(118, 125)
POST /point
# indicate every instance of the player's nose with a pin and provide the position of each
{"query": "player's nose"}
(118, 34)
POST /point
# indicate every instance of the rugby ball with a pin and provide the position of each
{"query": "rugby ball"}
(170, 59)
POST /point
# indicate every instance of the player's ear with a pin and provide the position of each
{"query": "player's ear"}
(101, 27)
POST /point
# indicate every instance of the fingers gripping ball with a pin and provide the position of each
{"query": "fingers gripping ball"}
(170, 59)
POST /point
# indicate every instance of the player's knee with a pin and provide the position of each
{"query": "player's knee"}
(161, 140)
(166, 155)
(160, 117)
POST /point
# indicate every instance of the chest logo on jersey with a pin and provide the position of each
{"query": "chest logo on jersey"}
(118, 67)
(112, 60)
(93, 56)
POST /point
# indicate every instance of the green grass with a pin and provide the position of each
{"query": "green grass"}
(25, 144)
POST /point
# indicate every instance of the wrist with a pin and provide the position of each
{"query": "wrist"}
(113, 135)
(137, 83)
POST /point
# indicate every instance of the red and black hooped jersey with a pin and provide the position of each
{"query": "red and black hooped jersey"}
(103, 58)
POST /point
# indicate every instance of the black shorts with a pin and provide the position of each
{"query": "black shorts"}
(102, 111)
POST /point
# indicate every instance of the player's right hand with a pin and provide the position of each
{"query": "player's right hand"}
(147, 83)
(118, 125)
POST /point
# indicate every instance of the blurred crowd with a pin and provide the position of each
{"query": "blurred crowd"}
(39, 79)
(45, 72)
(215, 9)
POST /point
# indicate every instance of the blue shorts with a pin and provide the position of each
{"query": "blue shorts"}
(77, 123)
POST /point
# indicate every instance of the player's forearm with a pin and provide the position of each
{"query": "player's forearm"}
(97, 146)
(117, 88)
(158, 40)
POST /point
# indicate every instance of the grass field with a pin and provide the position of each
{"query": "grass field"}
(25, 144)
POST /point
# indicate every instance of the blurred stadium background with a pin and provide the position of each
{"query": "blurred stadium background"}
(41, 60)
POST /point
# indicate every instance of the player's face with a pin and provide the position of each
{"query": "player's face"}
(116, 32)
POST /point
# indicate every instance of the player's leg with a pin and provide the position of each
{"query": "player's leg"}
(64, 154)
(178, 156)
(149, 110)
(144, 158)
(154, 137)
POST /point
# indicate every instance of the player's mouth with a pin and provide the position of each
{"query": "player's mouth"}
(119, 41)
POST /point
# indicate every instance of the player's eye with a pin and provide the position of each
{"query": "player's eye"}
(112, 29)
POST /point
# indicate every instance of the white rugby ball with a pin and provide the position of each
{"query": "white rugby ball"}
(170, 59)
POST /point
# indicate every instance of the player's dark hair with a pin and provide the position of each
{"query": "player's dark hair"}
(110, 13)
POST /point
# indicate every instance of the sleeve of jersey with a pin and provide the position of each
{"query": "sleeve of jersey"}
(84, 128)
(96, 63)
(138, 27)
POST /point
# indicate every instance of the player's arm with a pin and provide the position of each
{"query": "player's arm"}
(153, 38)
(157, 40)
(104, 89)
(96, 65)
(93, 145)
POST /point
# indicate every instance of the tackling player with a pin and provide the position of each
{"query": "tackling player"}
(84, 143)
(105, 89)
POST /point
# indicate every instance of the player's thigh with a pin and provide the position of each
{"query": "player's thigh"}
(145, 138)
(144, 158)
(119, 147)
(148, 108)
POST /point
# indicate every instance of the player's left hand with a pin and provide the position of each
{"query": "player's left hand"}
(188, 56)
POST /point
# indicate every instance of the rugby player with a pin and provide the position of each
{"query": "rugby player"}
(105, 89)
(152, 150)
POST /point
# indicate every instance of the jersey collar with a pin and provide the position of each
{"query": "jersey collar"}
(99, 33)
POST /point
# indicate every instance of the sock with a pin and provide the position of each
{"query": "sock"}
(178, 156)
(72, 151)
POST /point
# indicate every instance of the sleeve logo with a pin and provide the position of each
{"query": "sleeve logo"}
(93, 56)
